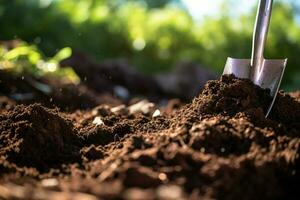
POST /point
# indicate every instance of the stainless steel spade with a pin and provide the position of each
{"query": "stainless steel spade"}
(267, 73)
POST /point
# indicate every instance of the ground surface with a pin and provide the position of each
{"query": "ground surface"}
(219, 146)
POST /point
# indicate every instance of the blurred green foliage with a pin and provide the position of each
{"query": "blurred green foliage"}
(152, 34)
(26, 58)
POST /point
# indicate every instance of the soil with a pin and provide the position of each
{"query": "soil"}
(51, 91)
(111, 82)
(111, 75)
(185, 80)
(219, 146)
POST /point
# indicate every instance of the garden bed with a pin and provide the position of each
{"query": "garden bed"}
(219, 146)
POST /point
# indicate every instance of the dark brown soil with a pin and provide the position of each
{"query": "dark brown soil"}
(51, 91)
(220, 146)
(111, 82)
(104, 77)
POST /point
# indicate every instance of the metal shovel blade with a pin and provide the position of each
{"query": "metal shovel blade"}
(269, 77)
(262, 72)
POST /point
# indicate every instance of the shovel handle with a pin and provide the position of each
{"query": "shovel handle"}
(260, 33)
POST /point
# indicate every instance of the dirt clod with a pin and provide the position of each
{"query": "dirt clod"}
(34, 136)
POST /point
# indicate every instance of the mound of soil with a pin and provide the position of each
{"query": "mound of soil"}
(35, 136)
(220, 146)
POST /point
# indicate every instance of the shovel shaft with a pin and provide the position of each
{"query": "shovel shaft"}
(260, 35)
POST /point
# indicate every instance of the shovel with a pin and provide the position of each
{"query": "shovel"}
(266, 73)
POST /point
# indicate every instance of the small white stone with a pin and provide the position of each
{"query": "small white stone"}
(143, 106)
(117, 108)
(98, 121)
(156, 113)
(50, 182)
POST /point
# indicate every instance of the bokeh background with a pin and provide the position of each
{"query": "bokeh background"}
(152, 35)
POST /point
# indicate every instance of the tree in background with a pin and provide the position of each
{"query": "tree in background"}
(153, 35)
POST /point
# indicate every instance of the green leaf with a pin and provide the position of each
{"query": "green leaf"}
(62, 54)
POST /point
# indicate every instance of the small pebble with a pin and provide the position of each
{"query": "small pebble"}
(156, 113)
(51, 182)
(162, 176)
(118, 109)
(98, 121)
(143, 106)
